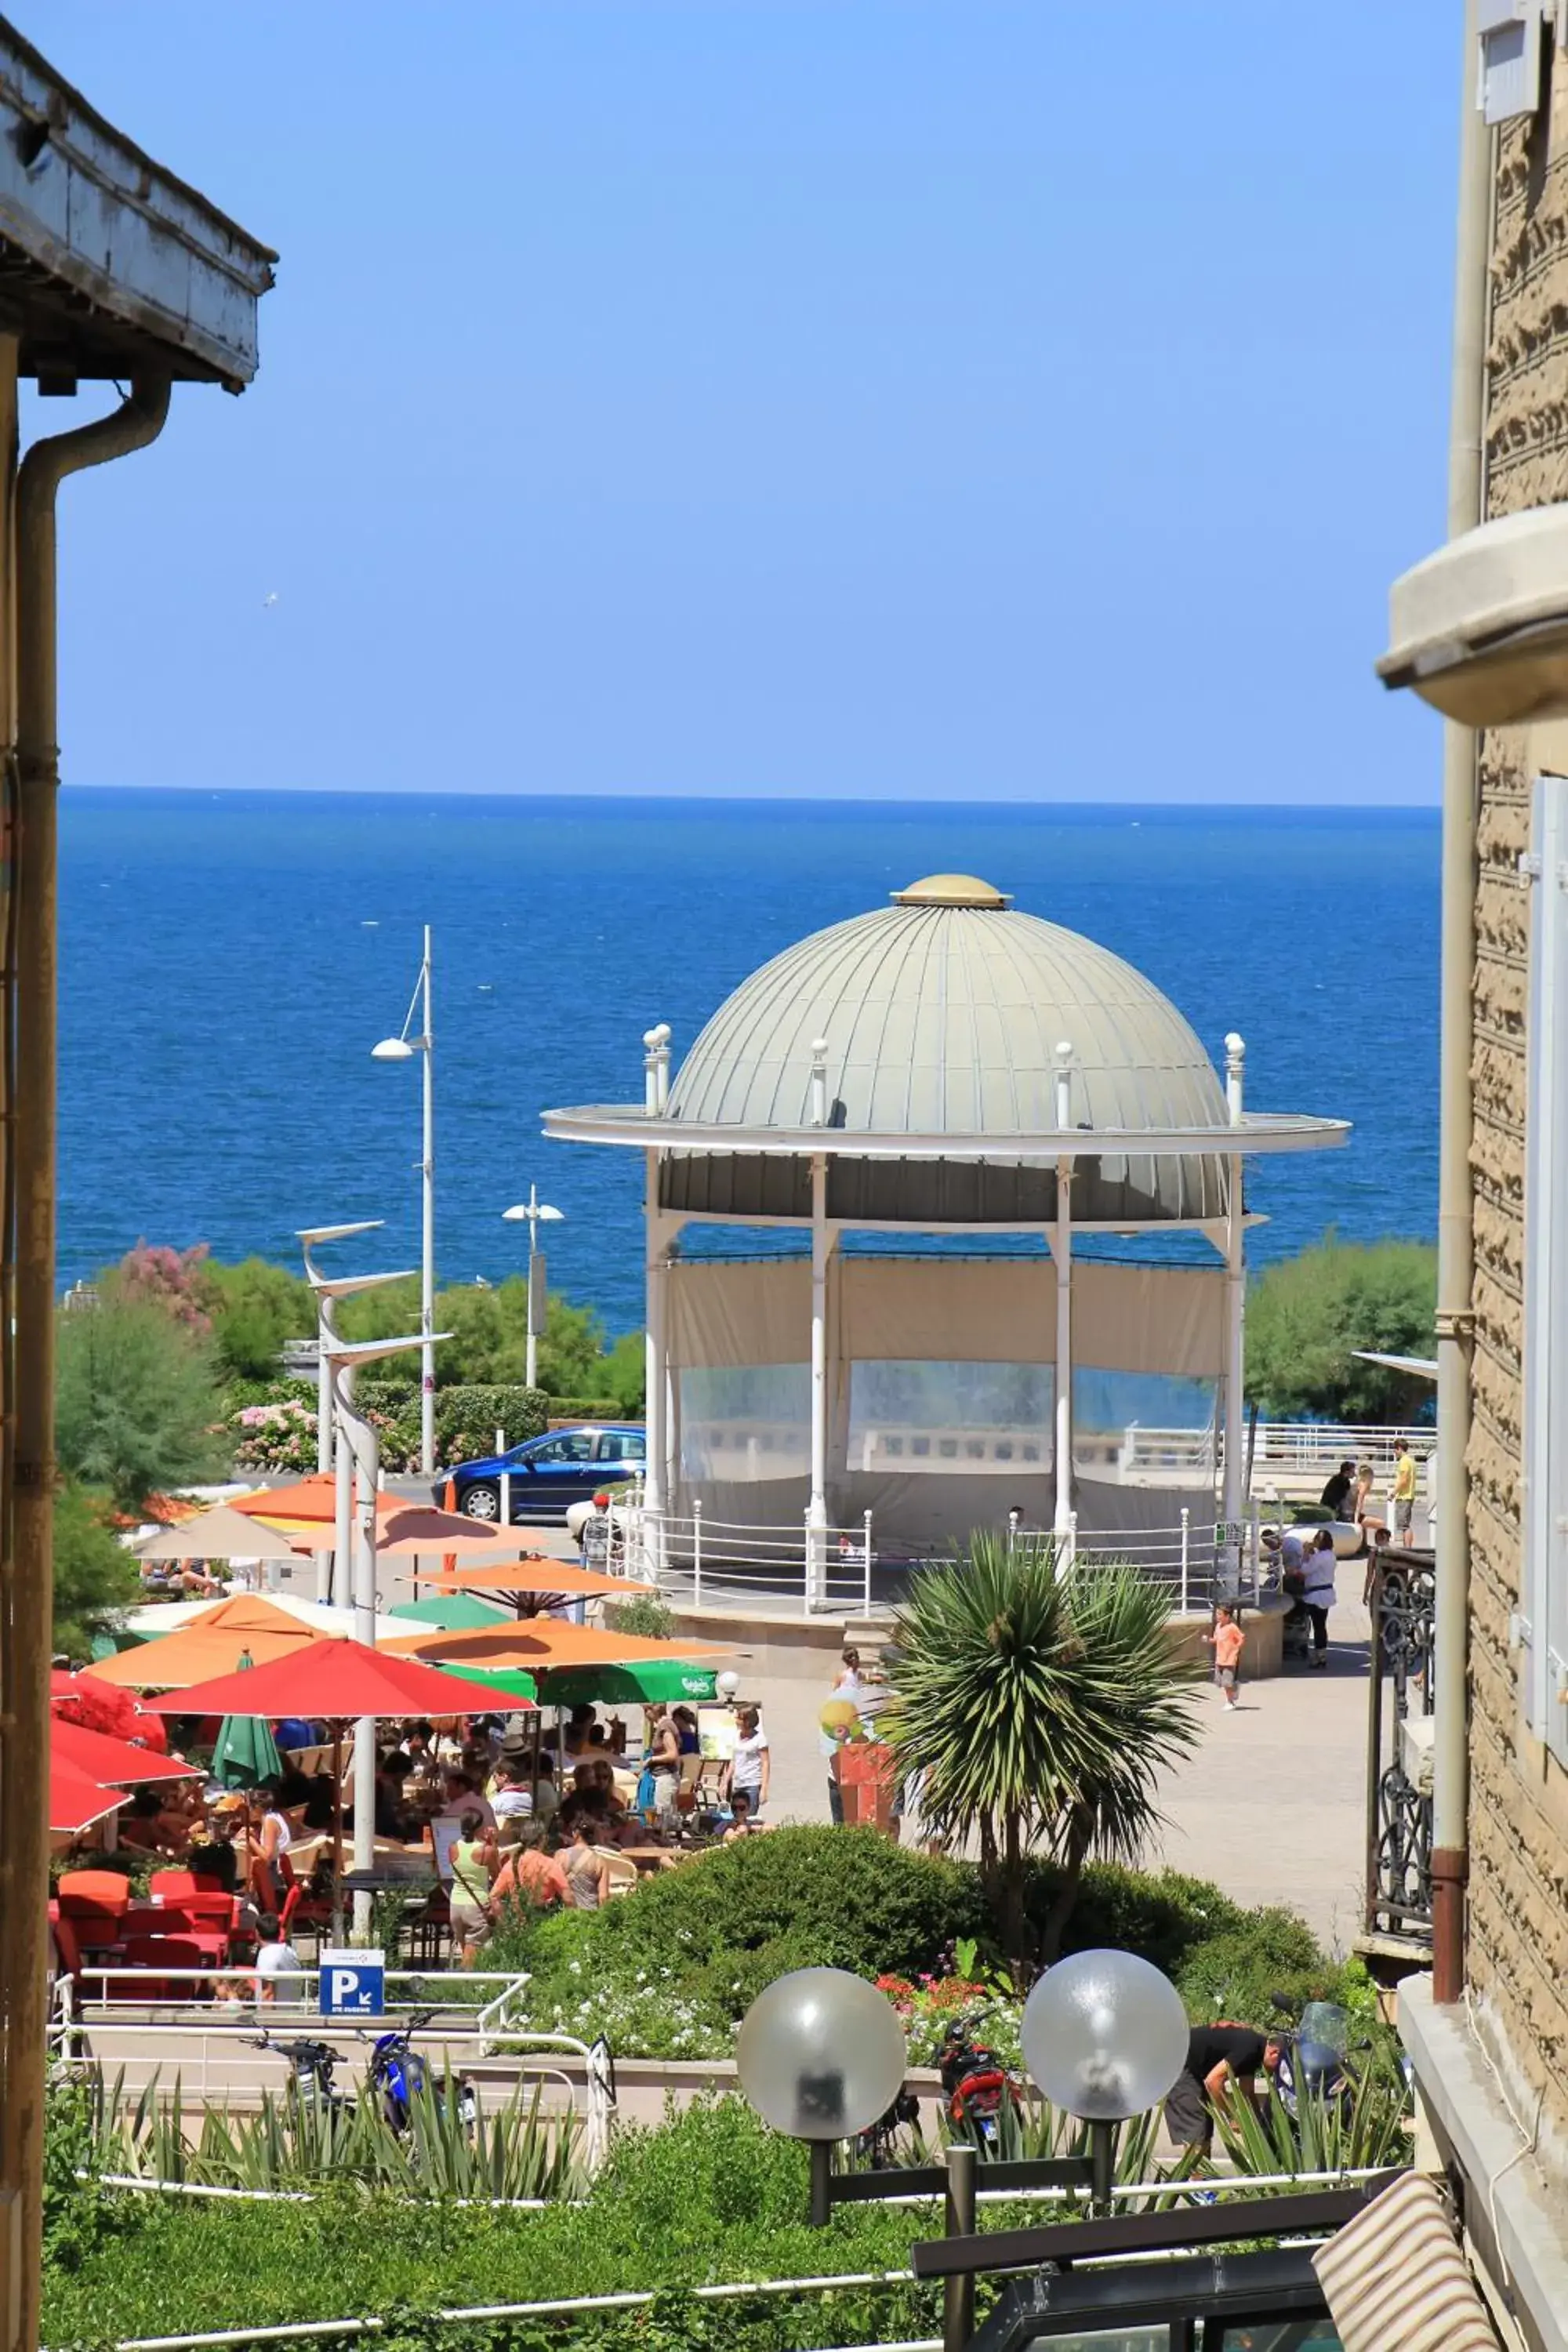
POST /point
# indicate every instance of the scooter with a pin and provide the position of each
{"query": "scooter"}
(978, 2089)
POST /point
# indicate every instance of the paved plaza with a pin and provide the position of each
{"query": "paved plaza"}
(1271, 1806)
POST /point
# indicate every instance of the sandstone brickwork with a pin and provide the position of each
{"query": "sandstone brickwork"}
(1517, 1946)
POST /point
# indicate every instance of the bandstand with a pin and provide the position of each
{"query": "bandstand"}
(907, 1087)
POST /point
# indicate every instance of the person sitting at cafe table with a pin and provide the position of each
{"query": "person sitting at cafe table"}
(592, 1797)
(148, 1827)
(461, 1792)
(742, 1824)
(580, 1725)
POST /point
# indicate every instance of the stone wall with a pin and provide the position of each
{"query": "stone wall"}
(1518, 1952)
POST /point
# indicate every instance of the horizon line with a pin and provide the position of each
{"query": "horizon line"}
(825, 799)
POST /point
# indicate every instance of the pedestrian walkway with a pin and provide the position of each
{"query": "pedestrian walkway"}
(1271, 1806)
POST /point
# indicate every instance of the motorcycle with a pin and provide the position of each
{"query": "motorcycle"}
(979, 2091)
(874, 2148)
(312, 2068)
(398, 2076)
(1313, 2053)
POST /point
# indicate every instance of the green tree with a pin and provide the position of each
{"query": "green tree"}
(489, 1346)
(255, 1307)
(136, 1398)
(1040, 1703)
(95, 1576)
(1307, 1315)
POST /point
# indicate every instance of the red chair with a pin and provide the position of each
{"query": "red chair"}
(174, 1886)
(292, 1902)
(68, 1949)
(108, 1888)
(150, 1953)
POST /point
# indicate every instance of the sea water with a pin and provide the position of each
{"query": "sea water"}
(229, 959)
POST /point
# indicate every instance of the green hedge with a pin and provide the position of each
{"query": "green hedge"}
(713, 2195)
(587, 1409)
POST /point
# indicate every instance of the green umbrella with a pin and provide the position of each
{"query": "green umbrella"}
(654, 1678)
(454, 1613)
(512, 1684)
(246, 1753)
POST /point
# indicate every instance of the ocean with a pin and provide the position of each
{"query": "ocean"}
(229, 959)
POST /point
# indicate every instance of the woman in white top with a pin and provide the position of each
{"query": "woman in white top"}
(1318, 1594)
(269, 1837)
(748, 1768)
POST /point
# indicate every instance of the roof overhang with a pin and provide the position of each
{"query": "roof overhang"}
(630, 1127)
(109, 265)
(1480, 628)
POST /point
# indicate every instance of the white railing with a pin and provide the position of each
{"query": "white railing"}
(1274, 1445)
(728, 1564)
(701, 1559)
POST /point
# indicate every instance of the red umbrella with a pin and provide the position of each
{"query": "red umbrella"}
(112, 1762)
(76, 1801)
(98, 1707)
(341, 1680)
(336, 1679)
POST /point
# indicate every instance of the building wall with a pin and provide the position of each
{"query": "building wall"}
(1518, 1950)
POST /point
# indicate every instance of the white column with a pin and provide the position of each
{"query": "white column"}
(656, 1280)
(1235, 1292)
(323, 1440)
(819, 1255)
(1061, 1249)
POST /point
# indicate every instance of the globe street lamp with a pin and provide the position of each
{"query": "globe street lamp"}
(535, 1212)
(821, 2055)
(402, 1049)
(1105, 2036)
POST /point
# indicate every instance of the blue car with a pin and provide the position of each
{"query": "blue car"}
(549, 1472)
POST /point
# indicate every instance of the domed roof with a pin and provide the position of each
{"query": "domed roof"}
(942, 1014)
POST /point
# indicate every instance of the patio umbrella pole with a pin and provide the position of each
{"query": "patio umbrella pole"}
(338, 1834)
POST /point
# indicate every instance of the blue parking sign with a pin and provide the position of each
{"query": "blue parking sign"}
(353, 1983)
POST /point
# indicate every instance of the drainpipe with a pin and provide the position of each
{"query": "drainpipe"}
(1456, 1321)
(138, 420)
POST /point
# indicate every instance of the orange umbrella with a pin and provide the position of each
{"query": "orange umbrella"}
(315, 1498)
(536, 1576)
(544, 1642)
(210, 1644)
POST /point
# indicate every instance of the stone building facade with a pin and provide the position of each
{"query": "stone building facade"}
(1517, 1956)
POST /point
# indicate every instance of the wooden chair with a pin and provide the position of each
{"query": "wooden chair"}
(623, 1870)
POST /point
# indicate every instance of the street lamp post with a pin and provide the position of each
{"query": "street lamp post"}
(401, 1049)
(534, 1213)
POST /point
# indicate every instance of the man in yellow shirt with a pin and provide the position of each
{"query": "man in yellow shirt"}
(1405, 1494)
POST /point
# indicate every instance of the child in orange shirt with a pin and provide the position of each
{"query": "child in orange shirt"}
(1225, 1641)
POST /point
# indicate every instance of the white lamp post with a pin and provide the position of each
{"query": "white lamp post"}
(535, 1212)
(401, 1049)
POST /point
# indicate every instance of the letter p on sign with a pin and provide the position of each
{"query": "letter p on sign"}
(354, 1983)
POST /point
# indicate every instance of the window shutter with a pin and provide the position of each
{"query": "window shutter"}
(1542, 1622)
(1510, 82)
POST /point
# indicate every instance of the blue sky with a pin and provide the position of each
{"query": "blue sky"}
(954, 399)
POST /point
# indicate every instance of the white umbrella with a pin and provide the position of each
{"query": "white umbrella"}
(217, 1534)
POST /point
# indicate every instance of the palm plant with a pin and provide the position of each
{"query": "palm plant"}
(1038, 1701)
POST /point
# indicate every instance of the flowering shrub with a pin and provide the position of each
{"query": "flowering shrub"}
(273, 1437)
(928, 2006)
(153, 1275)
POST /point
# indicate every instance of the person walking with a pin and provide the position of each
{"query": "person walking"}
(1405, 1494)
(1318, 1594)
(475, 1861)
(1225, 1641)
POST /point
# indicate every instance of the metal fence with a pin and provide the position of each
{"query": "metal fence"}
(699, 1561)
(1289, 1445)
